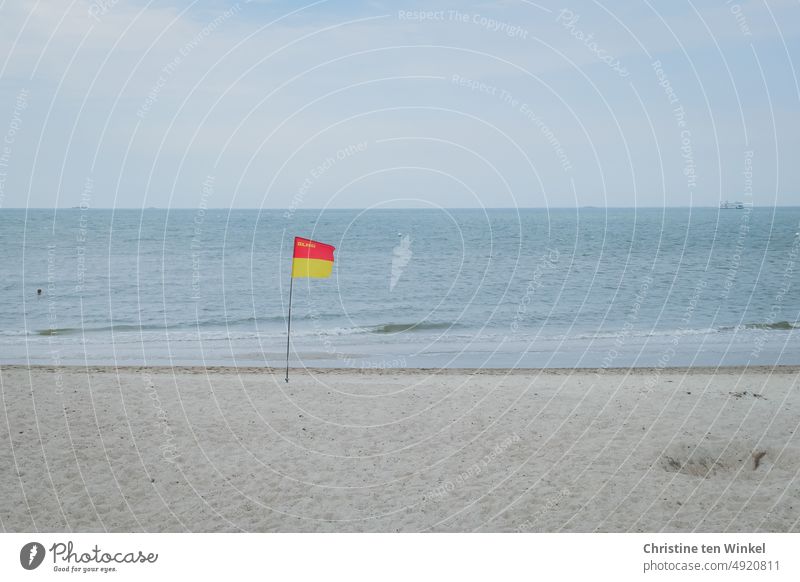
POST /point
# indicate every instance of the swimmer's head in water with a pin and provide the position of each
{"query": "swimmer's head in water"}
(38, 291)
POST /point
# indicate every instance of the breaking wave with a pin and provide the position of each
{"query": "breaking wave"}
(419, 326)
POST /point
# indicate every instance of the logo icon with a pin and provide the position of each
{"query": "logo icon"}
(401, 256)
(31, 555)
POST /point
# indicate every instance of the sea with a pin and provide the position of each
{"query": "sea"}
(411, 288)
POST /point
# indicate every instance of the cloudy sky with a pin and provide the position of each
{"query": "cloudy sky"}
(280, 104)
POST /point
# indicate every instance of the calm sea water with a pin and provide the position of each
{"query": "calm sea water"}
(411, 288)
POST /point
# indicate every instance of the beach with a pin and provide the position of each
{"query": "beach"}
(162, 449)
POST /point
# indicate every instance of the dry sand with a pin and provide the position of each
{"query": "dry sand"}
(160, 449)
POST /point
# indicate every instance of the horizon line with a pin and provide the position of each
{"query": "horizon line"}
(588, 206)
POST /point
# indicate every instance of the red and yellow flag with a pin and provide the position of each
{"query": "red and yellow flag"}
(312, 259)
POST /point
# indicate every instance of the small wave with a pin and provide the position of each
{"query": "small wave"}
(386, 328)
(13, 333)
(188, 325)
(611, 334)
(420, 326)
(614, 334)
(78, 330)
(775, 325)
(57, 331)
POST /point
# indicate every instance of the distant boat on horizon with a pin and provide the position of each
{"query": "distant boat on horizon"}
(734, 205)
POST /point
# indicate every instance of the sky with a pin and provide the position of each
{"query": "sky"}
(378, 104)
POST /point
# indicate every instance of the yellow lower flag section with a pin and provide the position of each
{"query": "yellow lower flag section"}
(314, 268)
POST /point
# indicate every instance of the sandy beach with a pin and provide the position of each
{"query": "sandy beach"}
(220, 449)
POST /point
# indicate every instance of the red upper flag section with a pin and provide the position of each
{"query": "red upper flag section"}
(310, 249)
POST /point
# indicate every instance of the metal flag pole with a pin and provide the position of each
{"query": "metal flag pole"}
(289, 326)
